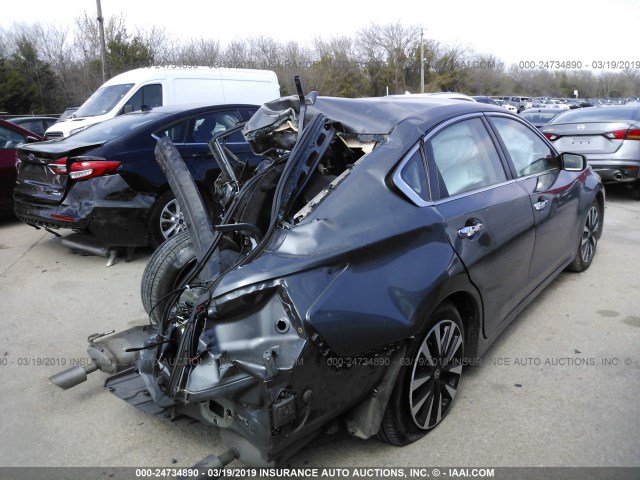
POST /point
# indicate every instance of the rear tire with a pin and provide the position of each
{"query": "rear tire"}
(428, 381)
(591, 232)
(168, 266)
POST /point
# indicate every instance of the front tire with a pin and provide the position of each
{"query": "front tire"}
(591, 232)
(428, 381)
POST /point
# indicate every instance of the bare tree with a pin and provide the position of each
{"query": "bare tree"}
(388, 50)
(199, 53)
(336, 71)
(236, 55)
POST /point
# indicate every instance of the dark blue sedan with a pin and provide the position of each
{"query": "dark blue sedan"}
(105, 180)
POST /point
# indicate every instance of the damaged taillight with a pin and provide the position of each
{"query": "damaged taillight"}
(83, 168)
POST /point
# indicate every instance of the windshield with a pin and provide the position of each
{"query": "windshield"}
(103, 100)
(595, 114)
(115, 127)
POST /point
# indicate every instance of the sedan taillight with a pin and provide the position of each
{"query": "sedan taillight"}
(551, 136)
(631, 134)
(92, 168)
(59, 167)
(80, 169)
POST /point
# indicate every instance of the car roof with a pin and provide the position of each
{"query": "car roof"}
(371, 116)
(27, 119)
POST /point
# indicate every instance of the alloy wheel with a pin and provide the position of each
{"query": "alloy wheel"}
(171, 219)
(590, 234)
(437, 368)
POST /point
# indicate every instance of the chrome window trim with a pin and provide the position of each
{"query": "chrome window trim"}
(412, 195)
(473, 192)
(404, 187)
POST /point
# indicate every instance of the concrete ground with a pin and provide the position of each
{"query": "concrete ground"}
(561, 387)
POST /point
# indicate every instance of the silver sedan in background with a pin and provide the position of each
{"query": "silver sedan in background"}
(608, 137)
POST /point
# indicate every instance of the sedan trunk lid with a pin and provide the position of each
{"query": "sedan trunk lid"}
(42, 172)
(588, 138)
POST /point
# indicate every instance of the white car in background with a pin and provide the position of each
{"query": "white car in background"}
(506, 105)
(551, 103)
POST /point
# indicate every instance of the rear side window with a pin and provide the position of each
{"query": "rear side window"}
(465, 157)
(411, 179)
(205, 126)
(201, 128)
(175, 132)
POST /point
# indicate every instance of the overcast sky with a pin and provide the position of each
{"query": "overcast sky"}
(537, 30)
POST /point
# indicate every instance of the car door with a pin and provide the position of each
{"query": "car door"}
(487, 215)
(553, 192)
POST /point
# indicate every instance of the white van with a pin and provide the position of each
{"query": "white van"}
(155, 86)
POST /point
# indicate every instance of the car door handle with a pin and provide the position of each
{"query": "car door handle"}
(470, 230)
(540, 204)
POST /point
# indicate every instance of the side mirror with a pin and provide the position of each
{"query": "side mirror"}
(573, 162)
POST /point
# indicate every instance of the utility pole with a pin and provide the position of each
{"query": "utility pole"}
(421, 61)
(103, 47)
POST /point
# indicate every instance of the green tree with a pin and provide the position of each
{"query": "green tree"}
(27, 84)
(126, 53)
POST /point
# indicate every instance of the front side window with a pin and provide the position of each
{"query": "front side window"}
(148, 96)
(465, 157)
(175, 132)
(528, 152)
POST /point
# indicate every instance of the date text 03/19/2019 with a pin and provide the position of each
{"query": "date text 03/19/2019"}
(578, 64)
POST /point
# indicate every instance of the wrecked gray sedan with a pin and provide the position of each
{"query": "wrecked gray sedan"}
(380, 245)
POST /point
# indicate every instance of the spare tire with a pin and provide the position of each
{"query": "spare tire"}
(167, 268)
